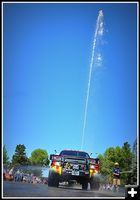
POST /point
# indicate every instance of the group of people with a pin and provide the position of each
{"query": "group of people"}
(20, 176)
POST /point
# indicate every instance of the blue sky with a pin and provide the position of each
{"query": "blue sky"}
(47, 51)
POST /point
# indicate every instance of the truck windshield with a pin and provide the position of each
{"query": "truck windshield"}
(75, 153)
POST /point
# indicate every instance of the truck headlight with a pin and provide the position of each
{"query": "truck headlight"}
(92, 167)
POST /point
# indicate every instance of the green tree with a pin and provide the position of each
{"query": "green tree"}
(127, 156)
(122, 155)
(5, 156)
(107, 163)
(20, 158)
(134, 163)
(39, 157)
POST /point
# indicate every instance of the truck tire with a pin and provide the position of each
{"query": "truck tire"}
(94, 183)
(84, 185)
(53, 179)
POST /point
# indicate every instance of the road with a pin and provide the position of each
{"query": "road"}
(14, 189)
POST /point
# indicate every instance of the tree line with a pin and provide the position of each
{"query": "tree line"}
(127, 159)
(39, 157)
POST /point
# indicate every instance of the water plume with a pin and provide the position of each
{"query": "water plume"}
(42, 171)
(97, 35)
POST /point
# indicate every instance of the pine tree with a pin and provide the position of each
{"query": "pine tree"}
(20, 158)
(5, 156)
(134, 164)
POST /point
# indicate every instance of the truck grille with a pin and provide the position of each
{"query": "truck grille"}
(75, 161)
(70, 163)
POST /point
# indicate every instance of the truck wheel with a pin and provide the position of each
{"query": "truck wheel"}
(53, 179)
(94, 183)
(84, 185)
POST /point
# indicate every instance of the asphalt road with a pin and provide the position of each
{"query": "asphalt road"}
(19, 189)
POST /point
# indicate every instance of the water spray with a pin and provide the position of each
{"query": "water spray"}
(98, 33)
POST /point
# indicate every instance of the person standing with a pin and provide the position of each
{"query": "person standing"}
(116, 176)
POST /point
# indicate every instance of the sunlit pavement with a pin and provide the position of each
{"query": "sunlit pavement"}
(18, 189)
